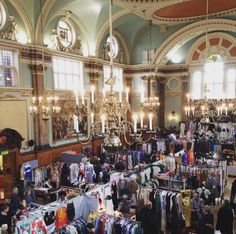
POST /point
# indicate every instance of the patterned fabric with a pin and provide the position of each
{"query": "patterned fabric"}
(61, 217)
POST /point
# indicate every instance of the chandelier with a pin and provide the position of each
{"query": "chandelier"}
(44, 106)
(209, 110)
(108, 113)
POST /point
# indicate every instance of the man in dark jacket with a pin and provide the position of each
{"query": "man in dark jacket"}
(225, 219)
(147, 219)
(233, 196)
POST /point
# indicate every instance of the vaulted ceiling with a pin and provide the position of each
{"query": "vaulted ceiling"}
(130, 19)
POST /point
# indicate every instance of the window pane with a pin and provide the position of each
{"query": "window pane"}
(55, 67)
(56, 85)
(196, 85)
(69, 75)
(68, 66)
(69, 82)
(7, 58)
(8, 76)
(61, 65)
(2, 82)
(75, 68)
(61, 82)
(230, 83)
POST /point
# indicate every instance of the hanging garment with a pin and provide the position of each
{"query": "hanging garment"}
(61, 217)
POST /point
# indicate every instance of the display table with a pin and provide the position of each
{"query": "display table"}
(46, 193)
(231, 170)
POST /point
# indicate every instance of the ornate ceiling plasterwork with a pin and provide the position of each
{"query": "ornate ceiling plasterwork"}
(188, 11)
(146, 9)
(172, 21)
(220, 43)
(165, 12)
(190, 31)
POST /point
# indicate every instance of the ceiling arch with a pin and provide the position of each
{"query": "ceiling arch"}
(190, 31)
(218, 43)
(42, 19)
(105, 27)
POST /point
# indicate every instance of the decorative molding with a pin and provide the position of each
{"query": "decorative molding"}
(145, 9)
(28, 26)
(37, 68)
(4, 95)
(77, 22)
(218, 48)
(36, 54)
(26, 93)
(173, 86)
(173, 21)
(10, 32)
(190, 31)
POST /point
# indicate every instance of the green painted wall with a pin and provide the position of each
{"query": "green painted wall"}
(172, 103)
(143, 37)
(49, 82)
(26, 75)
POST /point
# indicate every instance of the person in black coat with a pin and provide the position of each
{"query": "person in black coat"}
(5, 217)
(225, 219)
(147, 219)
(206, 222)
(233, 196)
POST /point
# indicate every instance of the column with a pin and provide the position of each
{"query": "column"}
(129, 81)
(41, 127)
(184, 99)
(161, 91)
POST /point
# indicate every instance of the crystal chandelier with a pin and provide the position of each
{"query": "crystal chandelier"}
(44, 106)
(209, 110)
(108, 113)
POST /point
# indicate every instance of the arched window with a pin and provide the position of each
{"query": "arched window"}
(115, 46)
(66, 33)
(215, 80)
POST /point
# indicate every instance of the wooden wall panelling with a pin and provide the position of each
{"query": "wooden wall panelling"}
(49, 156)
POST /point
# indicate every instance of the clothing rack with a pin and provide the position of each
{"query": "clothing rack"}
(159, 189)
(134, 221)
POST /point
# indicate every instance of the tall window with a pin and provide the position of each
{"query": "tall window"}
(68, 74)
(117, 73)
(196, 83)
(230, 83)
(214, 81)
(214, 77)
(7, 69)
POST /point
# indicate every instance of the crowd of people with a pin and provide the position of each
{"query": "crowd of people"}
(206, 222)
(19, 204)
